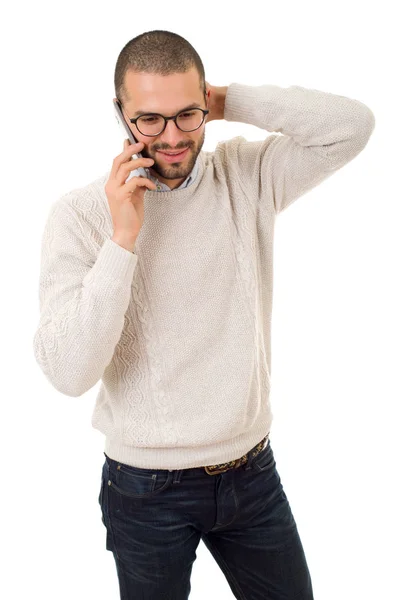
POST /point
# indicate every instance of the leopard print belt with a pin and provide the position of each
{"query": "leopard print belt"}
(234, 464)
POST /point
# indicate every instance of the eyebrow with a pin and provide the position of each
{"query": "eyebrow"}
(142, 112)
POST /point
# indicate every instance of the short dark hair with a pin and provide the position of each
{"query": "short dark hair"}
(160, 52)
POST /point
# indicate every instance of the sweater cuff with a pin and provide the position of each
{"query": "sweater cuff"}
(114, 262)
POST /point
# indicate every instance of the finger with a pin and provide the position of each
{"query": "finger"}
(139, 182)
(132, 165)
(126, 155)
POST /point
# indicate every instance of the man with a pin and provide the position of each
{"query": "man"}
(168, 300)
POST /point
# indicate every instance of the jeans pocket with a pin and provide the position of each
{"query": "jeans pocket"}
(133, 482)
(265, 459)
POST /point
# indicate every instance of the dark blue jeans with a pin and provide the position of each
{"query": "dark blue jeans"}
(155, 520)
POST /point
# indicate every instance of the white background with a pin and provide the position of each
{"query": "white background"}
(335, 338)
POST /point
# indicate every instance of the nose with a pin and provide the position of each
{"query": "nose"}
(172, 135)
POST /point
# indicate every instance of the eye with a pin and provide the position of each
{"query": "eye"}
(187, 114)
(149, 119)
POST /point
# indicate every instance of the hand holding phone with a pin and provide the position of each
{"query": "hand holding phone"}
(125, 196)
(126, 186)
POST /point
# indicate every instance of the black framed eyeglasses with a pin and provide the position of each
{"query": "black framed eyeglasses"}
(153, 124)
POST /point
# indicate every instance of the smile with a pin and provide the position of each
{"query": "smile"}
(173, 157)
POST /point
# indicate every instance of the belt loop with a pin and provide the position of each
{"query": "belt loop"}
(251, 454)
(249, 460)
(177, 476)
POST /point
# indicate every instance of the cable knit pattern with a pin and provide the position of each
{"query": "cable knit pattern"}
(179, 333)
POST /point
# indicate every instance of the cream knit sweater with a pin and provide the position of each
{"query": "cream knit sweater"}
(179, 333)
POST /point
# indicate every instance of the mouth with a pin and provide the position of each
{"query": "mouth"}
(173, 157)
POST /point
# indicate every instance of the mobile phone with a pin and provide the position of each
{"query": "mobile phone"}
(127, 133)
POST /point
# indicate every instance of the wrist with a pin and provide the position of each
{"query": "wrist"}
(221, 100)
(126, 242)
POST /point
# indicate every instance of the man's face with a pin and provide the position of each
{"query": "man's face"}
(166, 95)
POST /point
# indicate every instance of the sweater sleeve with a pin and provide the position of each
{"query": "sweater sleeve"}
(321, 132)
(82, 300)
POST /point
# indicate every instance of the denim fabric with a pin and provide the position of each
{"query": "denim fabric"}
(155, 519)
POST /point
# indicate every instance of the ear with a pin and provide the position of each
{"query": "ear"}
(207, 98)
